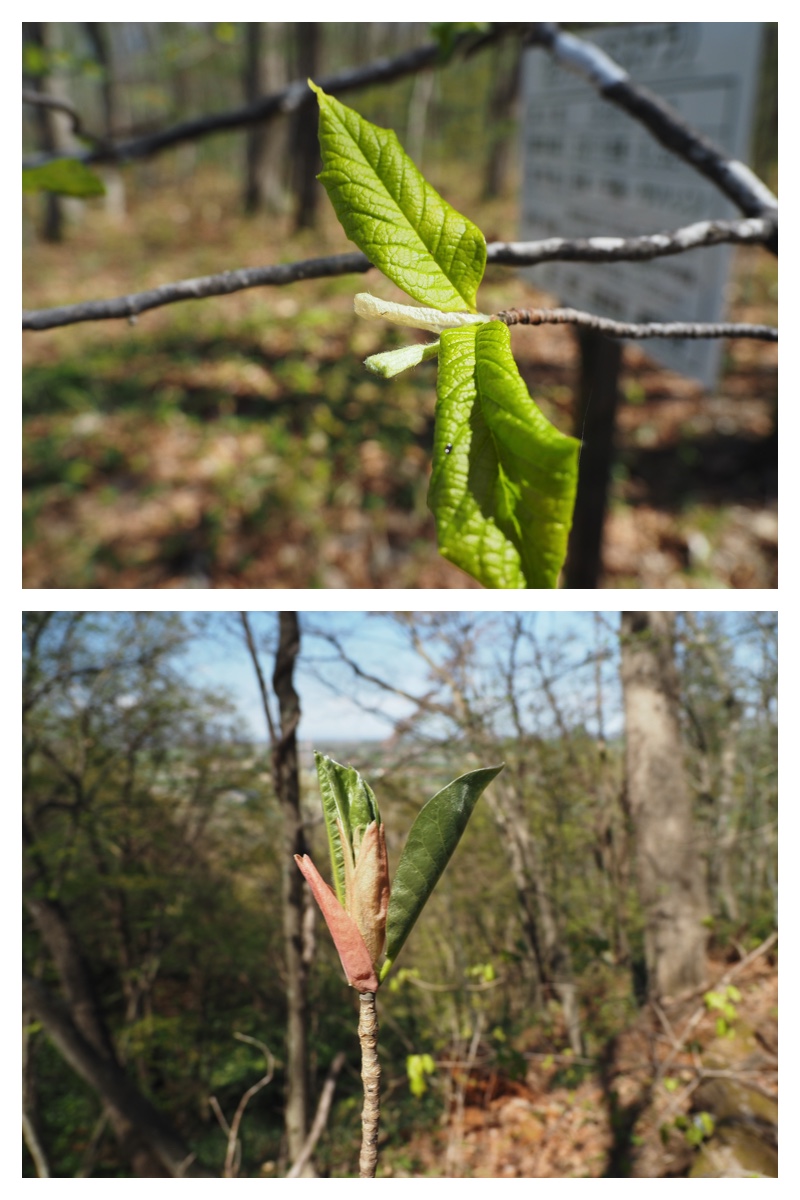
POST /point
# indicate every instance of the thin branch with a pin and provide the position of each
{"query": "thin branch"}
(666, 125)
(753, 230)
(196, 289)
(262, 683)
(42, 100)
(233, 1149)
(621, 329)
(320, 1117)
(287, 100)
(510, 254)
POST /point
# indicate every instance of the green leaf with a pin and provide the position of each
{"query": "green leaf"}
(65, 176)
(394, 215)
(433, 838)
(504, 492)
(350, 798)
(392, 362)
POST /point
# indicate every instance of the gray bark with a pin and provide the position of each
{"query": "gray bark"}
(671, 882)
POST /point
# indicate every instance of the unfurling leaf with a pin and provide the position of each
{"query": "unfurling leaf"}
(392, 362)
(433, 838)
(504, 479)
(353, 952)
(393, 214)
(366, 881)
(349, 806)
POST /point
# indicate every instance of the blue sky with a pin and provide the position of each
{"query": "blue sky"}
(379, 647)
(336, 706)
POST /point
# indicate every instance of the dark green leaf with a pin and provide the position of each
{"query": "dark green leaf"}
(350, 798)
(433, 838)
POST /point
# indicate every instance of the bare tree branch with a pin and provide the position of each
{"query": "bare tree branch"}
(516, 254)
(55, 102)
(196, 289)
(666, 125)
(233, 1149)
(636, 249)
(621, 329)
(289, 99)
(320, 1117)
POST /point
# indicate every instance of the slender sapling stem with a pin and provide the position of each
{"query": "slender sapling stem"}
(371, 1078)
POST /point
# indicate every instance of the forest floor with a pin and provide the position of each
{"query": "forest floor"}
(238, 442)
(651, 1108)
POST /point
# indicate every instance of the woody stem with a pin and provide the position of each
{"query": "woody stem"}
(371, 1077)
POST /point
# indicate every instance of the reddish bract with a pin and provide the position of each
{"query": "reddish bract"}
(347, 938)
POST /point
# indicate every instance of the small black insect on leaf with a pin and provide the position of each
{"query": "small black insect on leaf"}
(448, 447)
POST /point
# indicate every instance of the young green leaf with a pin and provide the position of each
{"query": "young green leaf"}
(348, 797)
(392, 362)
(393, 214)
(433, 838)
(503, 484)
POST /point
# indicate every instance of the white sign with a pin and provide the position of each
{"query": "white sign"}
(591, 170)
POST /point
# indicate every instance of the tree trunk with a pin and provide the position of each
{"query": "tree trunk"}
(287, 786)
(296, 905)
(99, 35)
(304, 143)
(73, 973)
(266, 144)
(719, 784)
(52, 227)
(671, 883)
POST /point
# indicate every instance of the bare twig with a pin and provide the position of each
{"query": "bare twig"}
(371, 1078)
(233, 1149)
(621, 329)
(743, 230)
(320, 1117)
(512, 254)
(666, 125)
(196, 289)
